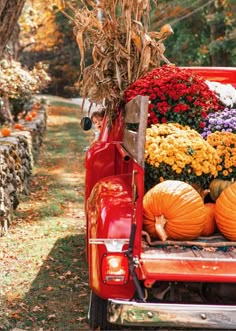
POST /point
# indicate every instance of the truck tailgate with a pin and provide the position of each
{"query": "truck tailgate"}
(190, 262)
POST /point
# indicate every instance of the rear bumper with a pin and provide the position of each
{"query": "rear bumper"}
(129, 313)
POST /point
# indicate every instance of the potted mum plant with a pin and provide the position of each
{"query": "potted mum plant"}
(225, 145)
(221, 121)
(176, 95)
(178, 153)
(225, 92)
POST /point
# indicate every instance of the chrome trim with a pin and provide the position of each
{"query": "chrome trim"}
(112, 245)
(130, 313)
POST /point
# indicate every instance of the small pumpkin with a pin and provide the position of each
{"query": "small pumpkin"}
(210, 223)
(6, 132)
(217, 186)
(28, 117)
(18, 126)
(173, 209)
(33, 113)
(35, 106)
(225, 212)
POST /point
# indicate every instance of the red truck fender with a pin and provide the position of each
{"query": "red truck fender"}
(109, 216)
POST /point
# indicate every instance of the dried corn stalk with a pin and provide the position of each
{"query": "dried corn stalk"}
(122, 47)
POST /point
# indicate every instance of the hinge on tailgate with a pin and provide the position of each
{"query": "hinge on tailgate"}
(133, 264)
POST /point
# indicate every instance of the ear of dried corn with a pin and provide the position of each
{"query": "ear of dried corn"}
(123, 48)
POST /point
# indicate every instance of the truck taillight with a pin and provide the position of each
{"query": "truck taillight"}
(115, 269)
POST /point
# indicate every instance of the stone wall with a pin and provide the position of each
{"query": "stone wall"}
(18, 152)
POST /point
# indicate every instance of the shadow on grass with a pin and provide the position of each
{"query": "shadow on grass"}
(59, 296)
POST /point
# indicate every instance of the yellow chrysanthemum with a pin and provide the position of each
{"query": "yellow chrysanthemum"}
(180, 153)
(225, 146)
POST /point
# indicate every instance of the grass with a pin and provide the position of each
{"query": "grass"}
(44, 276)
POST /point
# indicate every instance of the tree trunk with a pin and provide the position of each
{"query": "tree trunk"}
(9, 13)
(5, 111)
(14, 42)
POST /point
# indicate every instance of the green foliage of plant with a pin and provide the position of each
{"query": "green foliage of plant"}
(204, 34)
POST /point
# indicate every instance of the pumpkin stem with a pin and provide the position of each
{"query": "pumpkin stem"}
(160, 222)
(203, 193)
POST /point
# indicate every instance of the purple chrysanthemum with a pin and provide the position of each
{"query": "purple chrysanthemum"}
(220, 121)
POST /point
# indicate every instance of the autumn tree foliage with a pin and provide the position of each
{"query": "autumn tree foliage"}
(47, 36)
(39, 29)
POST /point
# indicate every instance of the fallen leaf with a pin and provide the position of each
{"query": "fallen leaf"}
(36, 309)
(49, 289)
(16, 316)
(61, 277)
(68, 273)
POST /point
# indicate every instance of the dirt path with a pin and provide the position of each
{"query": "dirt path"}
(44, 281)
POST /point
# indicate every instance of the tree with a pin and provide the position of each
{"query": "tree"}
(222, 23)
(204, 31)
(9, 14)
(47, 36)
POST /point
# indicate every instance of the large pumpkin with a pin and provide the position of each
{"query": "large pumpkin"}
(225, 212)
(217, 186)
(210, 223)
(173, 209)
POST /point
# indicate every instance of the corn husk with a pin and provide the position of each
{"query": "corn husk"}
(122, 47)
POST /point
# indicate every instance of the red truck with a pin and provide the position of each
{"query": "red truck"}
(132, 283)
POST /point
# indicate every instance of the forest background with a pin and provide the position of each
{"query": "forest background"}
(33, 31)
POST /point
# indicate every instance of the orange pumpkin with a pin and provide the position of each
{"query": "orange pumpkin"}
(6, 132)
(18, 126)
(173, 209)
(225, 212)
(33, 113)
(210, 223)
(28, 117)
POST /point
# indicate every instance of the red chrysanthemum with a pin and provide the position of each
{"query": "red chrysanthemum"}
(176, 95)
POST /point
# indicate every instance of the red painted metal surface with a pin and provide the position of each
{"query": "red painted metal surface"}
(113, 131)
(100, 158)
(109, 213)
(99, 163)
(184, 270)
(224, 75)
